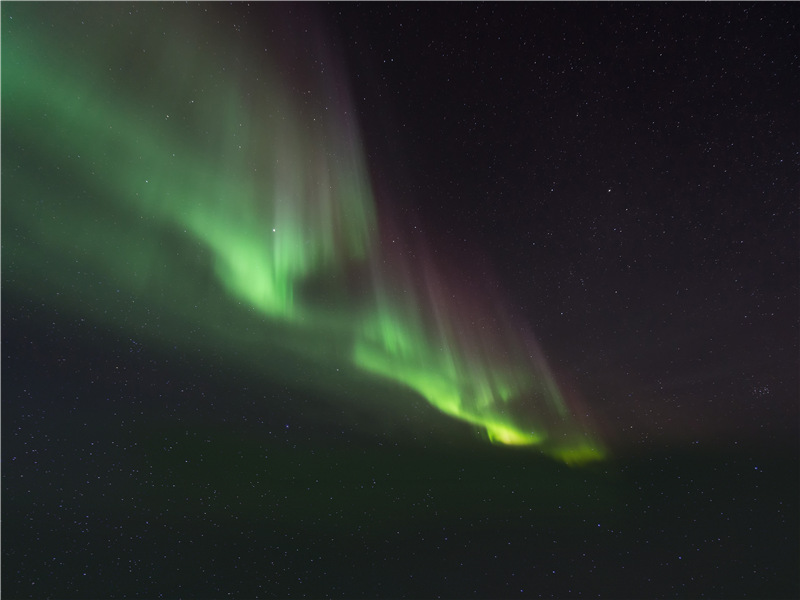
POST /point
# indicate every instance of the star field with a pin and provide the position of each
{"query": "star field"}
(399, 300)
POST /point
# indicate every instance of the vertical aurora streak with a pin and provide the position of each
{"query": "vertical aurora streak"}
(254, 164)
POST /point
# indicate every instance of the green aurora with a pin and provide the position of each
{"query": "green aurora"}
(170, 179)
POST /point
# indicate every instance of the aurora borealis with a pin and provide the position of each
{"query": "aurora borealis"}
(184, 168)
(399, 300)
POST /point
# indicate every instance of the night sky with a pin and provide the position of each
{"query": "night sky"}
(411, 300)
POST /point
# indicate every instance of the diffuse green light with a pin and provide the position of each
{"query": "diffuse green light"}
(119, 154)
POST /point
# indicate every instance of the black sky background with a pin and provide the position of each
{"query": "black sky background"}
(627, 175)
(629, 169)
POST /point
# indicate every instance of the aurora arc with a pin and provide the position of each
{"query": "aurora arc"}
(164, 171)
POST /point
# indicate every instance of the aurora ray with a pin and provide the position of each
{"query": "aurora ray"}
(167, 170)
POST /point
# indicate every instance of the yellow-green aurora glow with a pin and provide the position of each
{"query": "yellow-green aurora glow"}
(198, 174)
